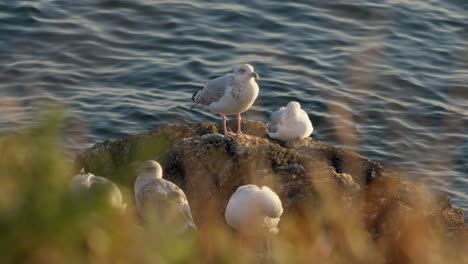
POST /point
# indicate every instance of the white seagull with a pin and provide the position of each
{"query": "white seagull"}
(251, 210)
(255, 213)
(290, 123)
(160, 198)
(87, 182)
(231, 94)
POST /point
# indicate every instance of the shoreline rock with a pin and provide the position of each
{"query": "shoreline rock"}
(209, 167)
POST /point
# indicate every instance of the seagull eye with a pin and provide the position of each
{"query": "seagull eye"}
(241, 70)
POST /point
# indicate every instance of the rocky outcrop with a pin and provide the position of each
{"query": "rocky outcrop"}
(209, 167)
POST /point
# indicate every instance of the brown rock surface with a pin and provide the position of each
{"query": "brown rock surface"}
(209, 167)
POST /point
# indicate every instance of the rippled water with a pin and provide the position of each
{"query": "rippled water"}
(388, 79)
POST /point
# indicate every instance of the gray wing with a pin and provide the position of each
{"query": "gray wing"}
(188, 216)
(179, 196)
(275, 119)
(164, 196)
(151, 195)
(213, 90)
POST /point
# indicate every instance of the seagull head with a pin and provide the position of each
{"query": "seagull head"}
(293, 106)
(245, 72)
(150, 168)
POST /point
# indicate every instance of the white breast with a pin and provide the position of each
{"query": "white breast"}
(239, 103)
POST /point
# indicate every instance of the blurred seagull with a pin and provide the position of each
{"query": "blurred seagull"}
(87, 182)
(254, 212)
(290, 123)
(231, 94)
(160, 198)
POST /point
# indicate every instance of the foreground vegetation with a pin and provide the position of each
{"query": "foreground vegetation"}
(41, 223)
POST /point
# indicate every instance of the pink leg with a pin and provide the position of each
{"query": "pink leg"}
(225, 130)
(239, 131)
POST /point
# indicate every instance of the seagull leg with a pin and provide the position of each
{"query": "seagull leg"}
(225, 130)
(269, 254)
(239, 132)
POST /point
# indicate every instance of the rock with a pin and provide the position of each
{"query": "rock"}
(209, 167)
(347, 182)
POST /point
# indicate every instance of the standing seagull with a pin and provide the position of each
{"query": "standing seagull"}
(87, 182)
(231, 94)
(290, 123)
(254, 212)
(160, 198)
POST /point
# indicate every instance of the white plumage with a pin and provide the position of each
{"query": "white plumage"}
(231, 94)
(86, 182)
(252, 210)
(160, 198)
(290, 123)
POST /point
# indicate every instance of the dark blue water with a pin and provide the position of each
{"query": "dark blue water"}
(388, 79)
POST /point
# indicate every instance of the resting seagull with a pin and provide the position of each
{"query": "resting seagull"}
(87, 182)
(290, 123)
(231, 94)
(254, 212)
(160, 198)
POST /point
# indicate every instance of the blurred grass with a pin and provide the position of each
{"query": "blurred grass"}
(41, 223)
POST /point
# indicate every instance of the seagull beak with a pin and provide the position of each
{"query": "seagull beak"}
(255, 75)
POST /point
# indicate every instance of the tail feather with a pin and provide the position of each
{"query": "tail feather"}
(195, 99)
(194, 96)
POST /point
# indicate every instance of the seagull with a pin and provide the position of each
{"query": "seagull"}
(160, 198)
(290, 123)
(88, 182)
(231, 94)
(254, 212)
